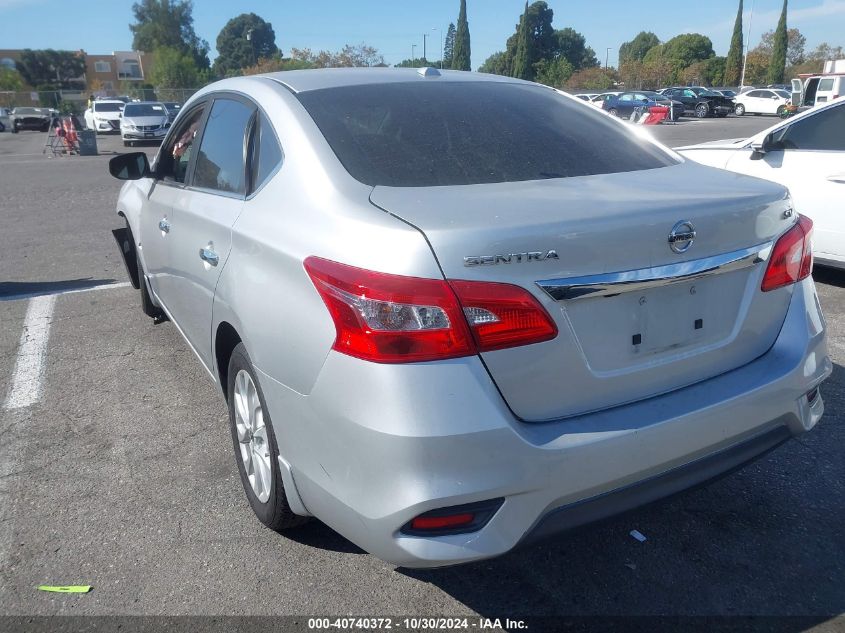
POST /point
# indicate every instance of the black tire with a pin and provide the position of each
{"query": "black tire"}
(147, 306)
(613, 112)
(781, 111)
(702, 111)
(14, 129)
(2, 128)
(275, 513)
(739, 110)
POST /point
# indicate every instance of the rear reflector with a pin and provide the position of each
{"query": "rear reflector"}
(438, 523)
(792, 256)
(469, 517)
(395, 319)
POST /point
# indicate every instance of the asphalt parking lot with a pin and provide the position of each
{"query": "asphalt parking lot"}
(118, 470)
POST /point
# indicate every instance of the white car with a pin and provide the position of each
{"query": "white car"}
(807, 154)
(586, 96)
(104, 115)
(762, 101)
(144, 121)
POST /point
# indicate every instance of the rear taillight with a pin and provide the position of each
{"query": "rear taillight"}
(792, 256)
(395, 319)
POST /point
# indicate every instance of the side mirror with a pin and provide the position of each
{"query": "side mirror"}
(132, 166)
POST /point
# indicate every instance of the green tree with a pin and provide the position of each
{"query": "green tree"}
(709, 72)
(795, 44)
(358, 55)
(596, 78)
(168, 23)
(461, 55)
(63, 69)
(10, 80)
(777, 65)
(733, 64)
(449, 46)
(173, 68)
(496, 64)
(242, 42)
(636, 49)
(522, 61)
(572, 46)
(417, 62)
(554, 73)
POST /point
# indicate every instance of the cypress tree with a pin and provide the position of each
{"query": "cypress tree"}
(777, 65)
(461, 52)
(733, 65)
(522, 59)
(449, 46)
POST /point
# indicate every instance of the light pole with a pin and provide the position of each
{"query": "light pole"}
(607, 56)
(251, 44)
(441, 45)
(413, 49)
(747, 46)
(425, 35)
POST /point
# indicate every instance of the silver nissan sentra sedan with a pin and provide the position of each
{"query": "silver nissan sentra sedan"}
(451, 313)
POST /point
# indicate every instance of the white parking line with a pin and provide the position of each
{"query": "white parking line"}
(56, 293)
(26, 377)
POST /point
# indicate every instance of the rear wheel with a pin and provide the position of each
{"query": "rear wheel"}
(781, 111)
(739, 110)
(256, 450)
(701, 110)
(613, 112)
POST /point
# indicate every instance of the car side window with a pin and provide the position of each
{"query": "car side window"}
(689, 93)
(175, 158)
(754, 94)
(220, 161)
(824, 130)
(627, 97)
(267, 155)
(826, 84)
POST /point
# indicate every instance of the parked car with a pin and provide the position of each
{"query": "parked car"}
(762, 101)
(701, 102)
(441, 344)
(172, 109)
(27, 118)
(5, 120)
(730, 94)
(806, 153)
(104, 115)
(625, 103)
(143, 121)
(586, 96)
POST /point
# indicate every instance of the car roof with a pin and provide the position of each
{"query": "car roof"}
(317, 79)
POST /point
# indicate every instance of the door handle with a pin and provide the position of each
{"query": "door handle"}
(164, 225)
(837, 178)
(209, 256)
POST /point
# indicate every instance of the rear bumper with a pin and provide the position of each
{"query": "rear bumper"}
(373, 446)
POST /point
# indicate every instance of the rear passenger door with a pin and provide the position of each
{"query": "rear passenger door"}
(201, 233)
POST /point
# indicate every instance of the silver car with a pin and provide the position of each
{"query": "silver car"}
(144, 121)
(451, 313)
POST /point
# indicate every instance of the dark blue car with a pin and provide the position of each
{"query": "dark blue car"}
(624, 104)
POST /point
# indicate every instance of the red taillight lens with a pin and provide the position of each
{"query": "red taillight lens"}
(389, 318)
(792, 256)
(394, 319)
(502, 315)
(440, 523)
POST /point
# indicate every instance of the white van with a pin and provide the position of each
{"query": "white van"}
(811, 90)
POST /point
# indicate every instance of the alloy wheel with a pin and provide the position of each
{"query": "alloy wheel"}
(252, 436)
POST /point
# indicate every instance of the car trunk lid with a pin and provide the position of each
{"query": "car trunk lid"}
(646, 339)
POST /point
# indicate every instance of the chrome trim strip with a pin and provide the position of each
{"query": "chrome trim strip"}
(611, 284)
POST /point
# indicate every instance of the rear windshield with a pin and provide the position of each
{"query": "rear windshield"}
(144, 109)
(108, 107)
(27, 111)
(463, 133)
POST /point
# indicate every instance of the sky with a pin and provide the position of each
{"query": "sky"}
(393, 26)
